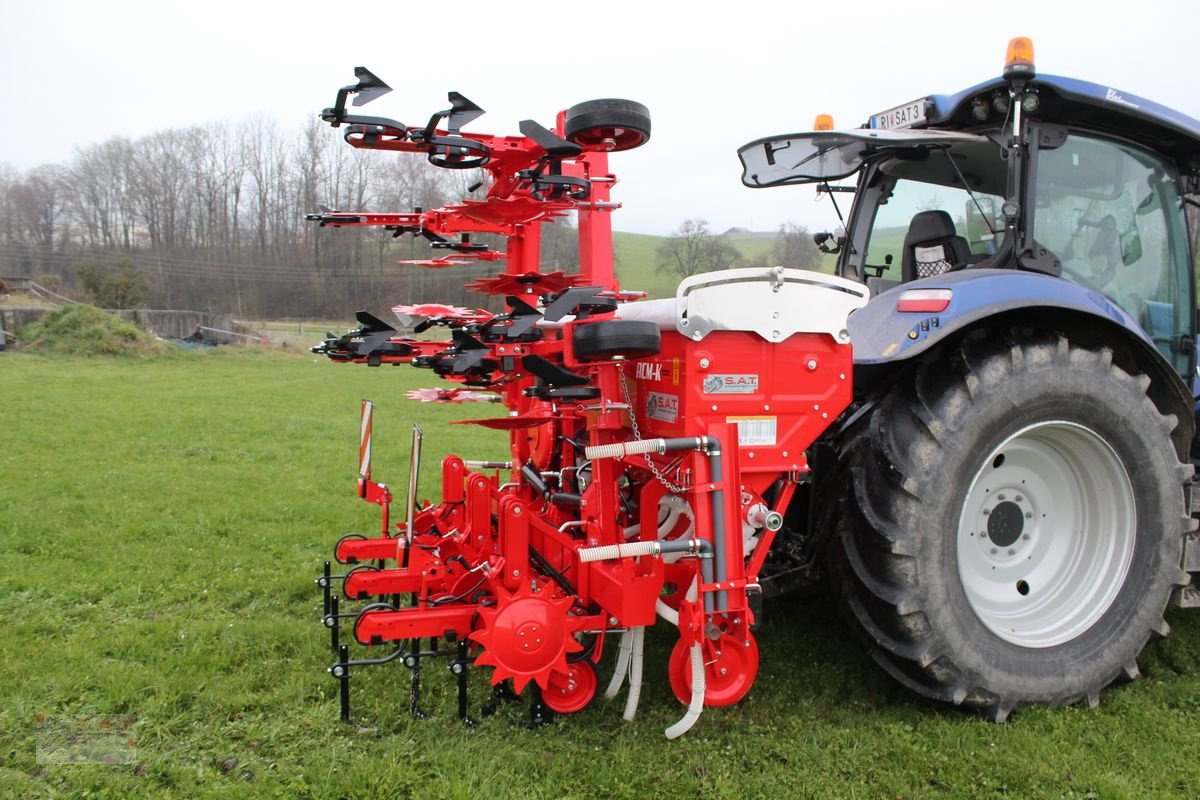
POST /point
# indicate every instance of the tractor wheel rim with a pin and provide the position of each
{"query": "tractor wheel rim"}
(1046, 534)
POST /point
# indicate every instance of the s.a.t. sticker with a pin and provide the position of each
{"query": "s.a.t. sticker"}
(662, 407)
(730, 384)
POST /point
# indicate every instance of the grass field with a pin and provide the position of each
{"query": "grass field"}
(161, 521)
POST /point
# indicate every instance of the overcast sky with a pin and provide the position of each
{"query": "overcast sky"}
(714, 75)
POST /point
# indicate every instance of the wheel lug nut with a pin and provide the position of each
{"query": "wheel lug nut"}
(999, 497)
(1025, 536)
(1019, 499)
(1028, 515)
(987, 511)
(994, 551)
(1012, 551)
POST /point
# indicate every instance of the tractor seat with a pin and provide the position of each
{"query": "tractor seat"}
(932, 246)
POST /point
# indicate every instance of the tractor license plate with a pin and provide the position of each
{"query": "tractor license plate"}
(904, 116)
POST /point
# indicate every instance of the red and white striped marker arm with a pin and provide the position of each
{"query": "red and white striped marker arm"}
(364, 441)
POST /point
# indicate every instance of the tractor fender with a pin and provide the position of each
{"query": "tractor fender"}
(883, 336)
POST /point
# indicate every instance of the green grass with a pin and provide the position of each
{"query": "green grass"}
(161, 521)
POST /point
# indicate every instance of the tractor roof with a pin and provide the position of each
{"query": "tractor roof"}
(959, 121)
(1081, 103)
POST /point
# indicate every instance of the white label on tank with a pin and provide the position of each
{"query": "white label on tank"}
(755, 431)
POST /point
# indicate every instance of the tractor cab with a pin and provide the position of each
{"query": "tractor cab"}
(1028, 174)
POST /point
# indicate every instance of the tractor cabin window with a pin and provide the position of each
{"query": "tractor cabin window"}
(1113, 215)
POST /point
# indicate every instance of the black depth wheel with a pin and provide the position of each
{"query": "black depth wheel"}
(623, 122)
(629, 338)
(1015, 525)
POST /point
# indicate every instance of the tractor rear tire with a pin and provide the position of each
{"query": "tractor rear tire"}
(1016, 524)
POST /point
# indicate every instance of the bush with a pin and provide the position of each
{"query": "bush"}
(117, 285)
(86, 330)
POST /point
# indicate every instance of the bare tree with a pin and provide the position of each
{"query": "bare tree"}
(40, 205)
(263, 152)
(96, 180)
(794, 247)
(9, 231)
(692, 249)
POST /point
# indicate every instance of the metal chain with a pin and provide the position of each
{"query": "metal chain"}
(674, 488)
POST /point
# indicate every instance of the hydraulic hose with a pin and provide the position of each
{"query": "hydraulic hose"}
(642, 447)
(697, 703)
(635, 673)
(611, 552)
(698, 685)
(666, 612)
(675, 507)
(622, 668)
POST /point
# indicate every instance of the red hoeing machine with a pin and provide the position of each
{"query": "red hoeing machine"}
(654, 445)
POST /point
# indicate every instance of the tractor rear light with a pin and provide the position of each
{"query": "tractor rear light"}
(823, 122)
(924, 301)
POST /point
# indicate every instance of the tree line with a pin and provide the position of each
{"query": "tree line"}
(212, 219)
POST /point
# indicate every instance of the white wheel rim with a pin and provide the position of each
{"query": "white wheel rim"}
(1046, 534)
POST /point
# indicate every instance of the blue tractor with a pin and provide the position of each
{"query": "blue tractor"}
(1006, 509)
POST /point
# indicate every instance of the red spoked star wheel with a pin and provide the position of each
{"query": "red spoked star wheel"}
(527, 636)
(527, 283)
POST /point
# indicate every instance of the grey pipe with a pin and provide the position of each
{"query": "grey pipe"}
(713, 449)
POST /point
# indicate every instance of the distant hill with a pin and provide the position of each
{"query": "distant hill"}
(637, 256)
